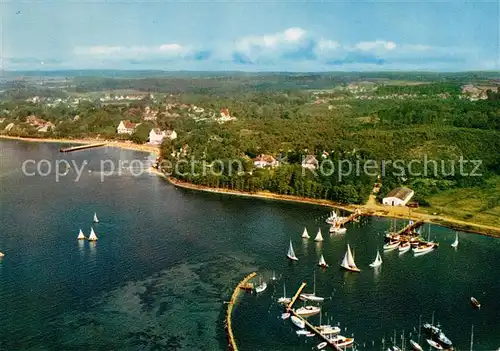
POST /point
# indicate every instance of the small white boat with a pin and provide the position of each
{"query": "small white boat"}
(284, 300)
(342, 341)
(291, 253)
(298, 322)
(416, 346)
(404, 247)
(305, 234)
(455, 243)
(322, 262)
(309, 334)
(338, 230)
(318, 237)
(328, 330)
(348, 261)
(96, 220)
(302, 332)
(307, 311)
(285, 315)
(391, 245)
(475, 302)
(92, 236)
(332, 218)
(312, 297)
(2, 254)
(273, 278)
(322, 345)
(261, 287)
(427, 247)
(377, 262)
(434, 344)
(81, 236)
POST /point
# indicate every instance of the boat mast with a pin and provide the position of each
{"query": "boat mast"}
(419, 327)
(472, 337)
(314, 286)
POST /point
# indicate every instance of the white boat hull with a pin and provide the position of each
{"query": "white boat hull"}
(311, 297)
(307, 311)
(298, 322)
(293, 258)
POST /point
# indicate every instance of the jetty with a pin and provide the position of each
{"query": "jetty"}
(309, 325)
(81, 147)
(357, 213)
(243, 285)
(409, 228)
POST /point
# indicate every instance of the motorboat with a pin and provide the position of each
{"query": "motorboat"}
(416, 346)
(342, 341)
(298, 322)
(322, 345)
(391, 245)
(307, 311)
(404, 247)
(285, 315)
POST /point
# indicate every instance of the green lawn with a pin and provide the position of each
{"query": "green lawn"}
(479, 205)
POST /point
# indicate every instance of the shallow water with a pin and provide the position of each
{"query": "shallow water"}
(168, 258)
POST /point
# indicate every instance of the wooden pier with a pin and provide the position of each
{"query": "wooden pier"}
(309, 325)
(244, 284)
(410, 227)
(81, 147)
(357, 213)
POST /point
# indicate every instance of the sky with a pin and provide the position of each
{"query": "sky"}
(300, 36)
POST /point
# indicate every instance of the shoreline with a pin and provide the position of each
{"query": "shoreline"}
(367, 210)
(109, 143)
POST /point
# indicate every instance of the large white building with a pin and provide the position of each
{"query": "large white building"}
(156, 135)
(398, 197)
(126, 127)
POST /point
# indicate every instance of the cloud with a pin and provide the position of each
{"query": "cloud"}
(291, 49)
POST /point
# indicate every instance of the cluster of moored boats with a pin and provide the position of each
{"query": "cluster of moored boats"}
(92, 236)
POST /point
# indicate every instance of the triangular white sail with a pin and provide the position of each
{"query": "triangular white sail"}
(378, 260)
(350, 259)
(81, 235)
(291, 253)
(305, 234)
(95, 218)
(345, 262)
(318, 237)
(92, 236)
(455, 243)
(322, 261)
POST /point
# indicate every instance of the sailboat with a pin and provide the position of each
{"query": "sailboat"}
(291, 253)
(377, 262)
(81, 236)
(348, 261)
(318, 237)
(312, 297)
(95, 218)
(2, 254)
(305, 234)
(261, 287)
(274, 276)
(92, 236)
(415, 344)
(455, 243)
(284, 300)
(322, 262)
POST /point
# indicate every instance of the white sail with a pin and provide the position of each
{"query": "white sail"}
(345, 262)
(95, 218)
(378, 260)
(291, 253)
(305, 234)
(81, 235)
(350, 259)
(455, 243)
(318, 237)
(322, 261)
(92, 235)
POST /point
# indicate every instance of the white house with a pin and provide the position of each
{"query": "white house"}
(398, 197)
(310, 162)
(126, 127)
(262, 161)
(156, 135)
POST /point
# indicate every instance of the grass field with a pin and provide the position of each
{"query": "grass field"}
(479, 205)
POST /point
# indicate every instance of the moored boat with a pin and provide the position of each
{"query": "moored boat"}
(404, 247)
(328, 330)
(348, 261)
(298, 322)
(342, 341)
(261, 287)
(96, 220)
(416, 346)
(284, 300)
(322, 345)
(312, 297)
(337, 229)
(285, 315)
(307, 311)
(455, 243)
(391, 245)
(424, 248)
(302, 332)
(434, 344)
(291, 253)
(475, 302)
(2, 254)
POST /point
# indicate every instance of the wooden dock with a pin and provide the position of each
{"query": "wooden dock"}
(351, 217)
(309, 325)
(81, 147)
(244, 284)
(410, 227)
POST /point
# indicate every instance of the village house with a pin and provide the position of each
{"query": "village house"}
(149, 114)
(310, 162)
(156, 135)
(398, 197)
(225, 116)
(46, 127)
(262, 161)
(126, 127)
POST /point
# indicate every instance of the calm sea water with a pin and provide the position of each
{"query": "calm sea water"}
(168, 258)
